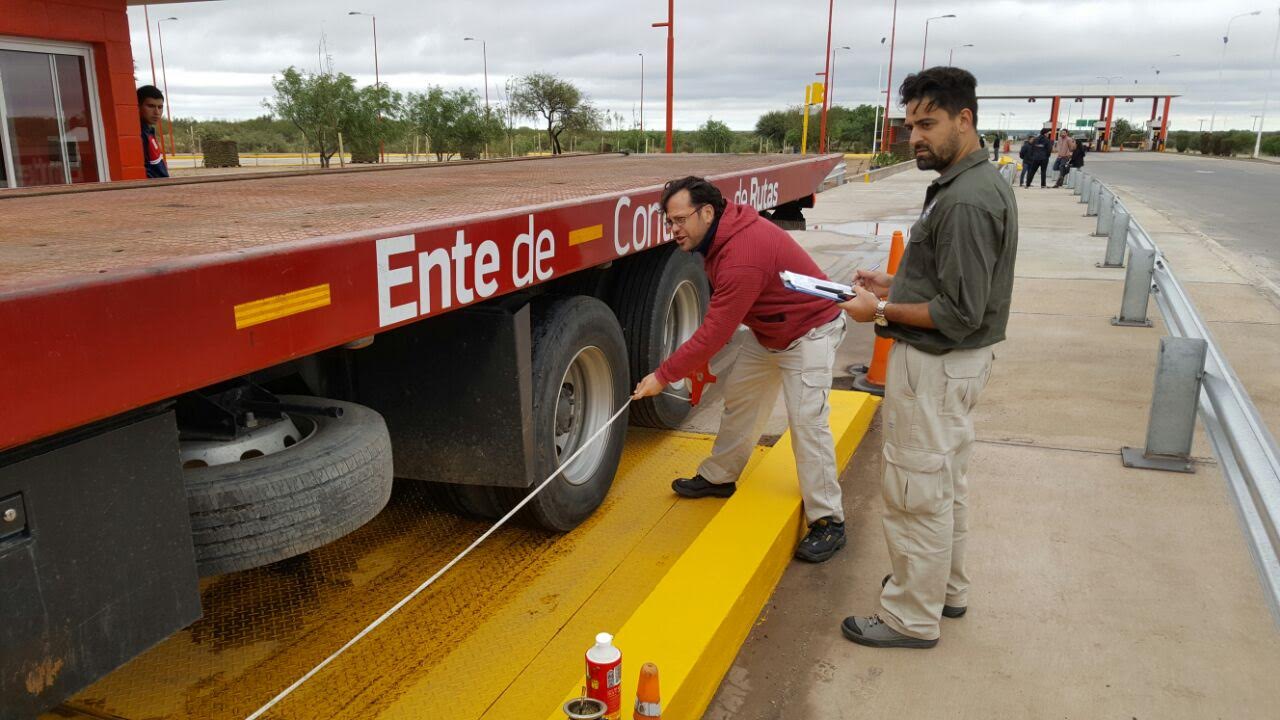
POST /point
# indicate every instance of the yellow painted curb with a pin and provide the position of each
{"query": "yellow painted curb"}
(697, 617)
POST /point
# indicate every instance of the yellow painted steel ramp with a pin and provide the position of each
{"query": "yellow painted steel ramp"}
(502, 635)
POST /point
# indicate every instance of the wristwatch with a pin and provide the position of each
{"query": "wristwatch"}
(881, 320)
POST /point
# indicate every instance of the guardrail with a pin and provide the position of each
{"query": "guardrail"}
(1191, 373)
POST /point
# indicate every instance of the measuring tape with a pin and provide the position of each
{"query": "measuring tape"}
(448, 566)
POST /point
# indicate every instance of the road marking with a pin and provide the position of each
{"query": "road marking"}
(586, 234)
(1205, 172)
(279, 306)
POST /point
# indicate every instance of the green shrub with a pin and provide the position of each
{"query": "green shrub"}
(1271, 145)
(1182, 141)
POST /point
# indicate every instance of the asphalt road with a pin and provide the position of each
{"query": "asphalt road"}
(1234, 202)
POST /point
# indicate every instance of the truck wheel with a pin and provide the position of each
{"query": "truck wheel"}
(660, 301)
(322, 479)
(579, 381)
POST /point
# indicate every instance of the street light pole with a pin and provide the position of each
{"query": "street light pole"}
(1266, 94)
(888, 90)
(951, 56)
(670, 25)
(642, 98)
(826, 81)
(377, 79)
(925, 53)
(484, 55)
(146, 17)
(1213, 116)
(164, 74)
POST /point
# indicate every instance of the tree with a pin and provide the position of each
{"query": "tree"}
(773, 126)
(1121, 132)
(316, 103)
(322, 105)
(557, 102)
(452, 121)
(714, 136)
(852, 128)
(370, 121)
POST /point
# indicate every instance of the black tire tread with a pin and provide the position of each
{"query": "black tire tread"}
(266, 509)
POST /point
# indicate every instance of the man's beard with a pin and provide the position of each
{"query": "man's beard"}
(942, 157)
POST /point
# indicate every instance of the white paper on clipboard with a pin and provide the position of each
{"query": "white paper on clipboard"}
(809, 285)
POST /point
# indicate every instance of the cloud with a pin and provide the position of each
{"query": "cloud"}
(735, 59)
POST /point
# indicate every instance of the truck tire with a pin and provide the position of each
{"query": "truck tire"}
(660, 301)
(264, 509)
(579, 381)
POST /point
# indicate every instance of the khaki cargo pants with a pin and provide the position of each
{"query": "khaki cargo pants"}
(928, 439)
(803, 373)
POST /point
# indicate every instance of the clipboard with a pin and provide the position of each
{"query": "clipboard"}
(809, 285)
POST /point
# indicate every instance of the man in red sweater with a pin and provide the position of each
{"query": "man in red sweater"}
(792, 348)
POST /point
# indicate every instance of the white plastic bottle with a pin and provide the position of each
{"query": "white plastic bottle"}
(604, 675)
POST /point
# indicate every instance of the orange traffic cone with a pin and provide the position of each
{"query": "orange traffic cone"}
(648, 705)
(871, 380)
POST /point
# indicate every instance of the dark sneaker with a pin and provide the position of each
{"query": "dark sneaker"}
(825, 537)
(700, 487)
(872, 632)
(950, 611)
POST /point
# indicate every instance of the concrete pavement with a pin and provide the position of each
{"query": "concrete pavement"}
(1231, 201)
(1099, 591)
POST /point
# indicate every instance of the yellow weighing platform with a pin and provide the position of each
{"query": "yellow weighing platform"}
(502, 635)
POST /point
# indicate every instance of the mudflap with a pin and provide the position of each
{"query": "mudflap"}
(95, 556)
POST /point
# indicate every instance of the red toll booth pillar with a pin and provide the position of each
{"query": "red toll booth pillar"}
(1164, 123)
(1053, 118)
(1106, 134)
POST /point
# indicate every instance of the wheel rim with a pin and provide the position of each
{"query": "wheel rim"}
(583, 406)
(266, 439)
(682, 321)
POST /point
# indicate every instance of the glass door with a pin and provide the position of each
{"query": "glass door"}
(49, 129)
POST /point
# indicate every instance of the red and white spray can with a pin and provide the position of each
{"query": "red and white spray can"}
(604, 675)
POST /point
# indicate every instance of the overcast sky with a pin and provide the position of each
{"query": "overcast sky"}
(734, 58)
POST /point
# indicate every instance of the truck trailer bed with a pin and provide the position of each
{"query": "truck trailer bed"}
(111, 299)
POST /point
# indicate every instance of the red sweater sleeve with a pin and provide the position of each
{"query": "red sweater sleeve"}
(736, 291)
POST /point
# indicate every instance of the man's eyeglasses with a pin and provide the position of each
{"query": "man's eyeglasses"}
(673, 220)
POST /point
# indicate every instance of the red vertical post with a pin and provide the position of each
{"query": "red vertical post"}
(670, 25)
(886, 140)
(1053, 120)
(826, 82)
(1106, 134)
(146, 17)
(1164, 122)
(377, 83)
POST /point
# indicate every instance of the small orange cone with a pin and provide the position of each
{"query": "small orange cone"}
(871, 380)
(648, 704)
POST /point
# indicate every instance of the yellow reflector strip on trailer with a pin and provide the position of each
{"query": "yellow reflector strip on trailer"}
(586, 234)
(273, 308)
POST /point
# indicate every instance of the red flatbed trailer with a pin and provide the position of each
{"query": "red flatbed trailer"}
(112, 300)
(150, 322)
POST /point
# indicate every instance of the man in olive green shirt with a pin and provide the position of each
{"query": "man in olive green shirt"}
(946, 306)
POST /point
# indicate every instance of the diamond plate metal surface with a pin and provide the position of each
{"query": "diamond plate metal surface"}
(500, 636)
(58, 235)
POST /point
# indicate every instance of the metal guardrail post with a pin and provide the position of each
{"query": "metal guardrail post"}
(1071, 178)
(1137, 289)
(1117, 240)
(1247, 452)
(1095, 195)
(1172, 423)
(1106, 213)
(1082, 187)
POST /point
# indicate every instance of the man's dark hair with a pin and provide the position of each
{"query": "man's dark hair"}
(149, 91)
(948, 88)
(701, 192)
(1045, 131)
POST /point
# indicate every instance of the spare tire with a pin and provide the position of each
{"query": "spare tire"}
(259, 510)
(660, 300)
